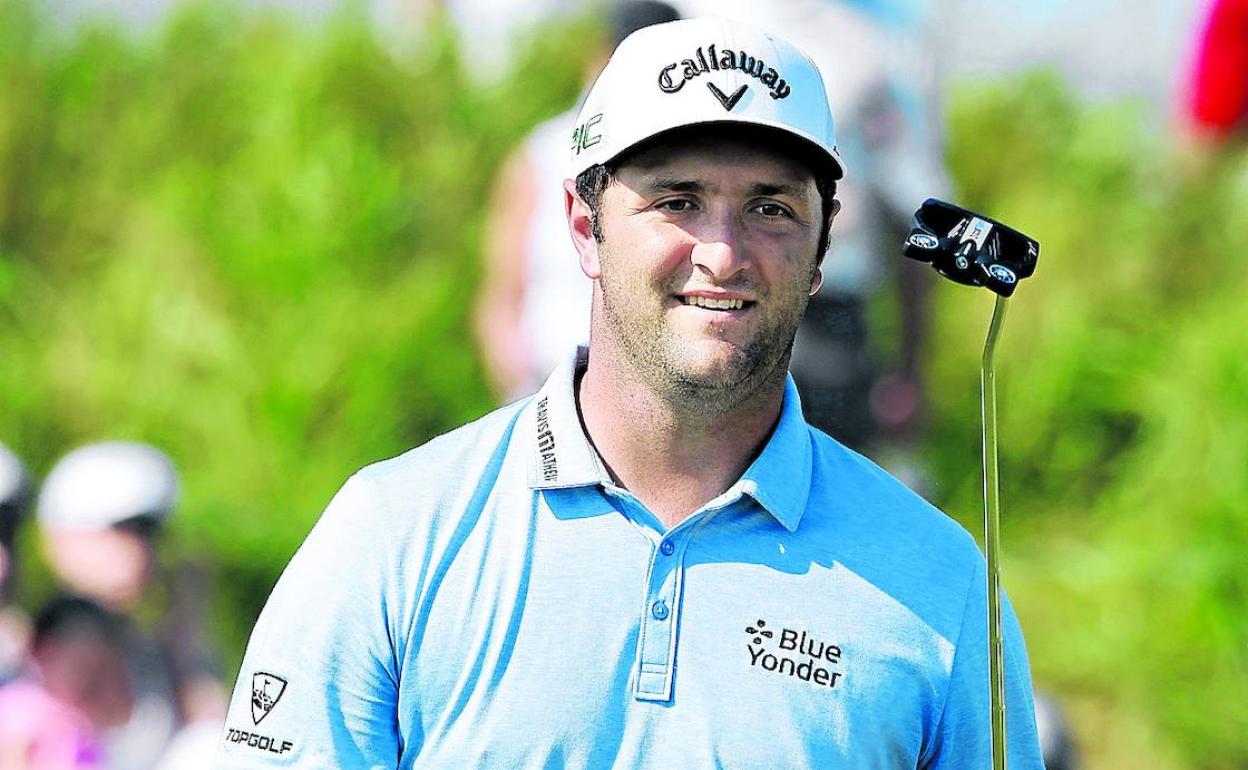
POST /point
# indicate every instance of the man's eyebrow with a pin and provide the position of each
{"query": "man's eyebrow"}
(772, 190)
(675, 184)
(685, 185)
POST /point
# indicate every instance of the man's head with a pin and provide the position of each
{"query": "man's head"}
(14, 496)
(77, 647)
(705, 167)
(99, 512)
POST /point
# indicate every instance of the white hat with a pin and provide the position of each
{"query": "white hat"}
(100, 485)
(700, 71)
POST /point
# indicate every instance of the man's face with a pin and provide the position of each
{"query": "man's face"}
(111, 566)
(707, 259)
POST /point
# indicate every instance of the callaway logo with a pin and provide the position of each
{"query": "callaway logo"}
(796, 654)
(266, 691)
(708, 58)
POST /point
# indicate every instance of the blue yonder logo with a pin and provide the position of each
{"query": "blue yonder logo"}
(794, 653)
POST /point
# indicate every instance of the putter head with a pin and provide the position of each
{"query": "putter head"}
(970, 248)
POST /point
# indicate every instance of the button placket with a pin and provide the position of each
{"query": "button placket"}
(660, 620)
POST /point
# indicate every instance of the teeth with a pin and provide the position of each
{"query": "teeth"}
(715, 304)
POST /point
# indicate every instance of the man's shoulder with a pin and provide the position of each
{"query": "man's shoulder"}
(450, 457)
(858, 493)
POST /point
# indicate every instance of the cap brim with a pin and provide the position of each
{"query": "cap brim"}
(831, 159)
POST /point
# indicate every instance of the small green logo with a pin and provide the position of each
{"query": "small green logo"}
(584, 136)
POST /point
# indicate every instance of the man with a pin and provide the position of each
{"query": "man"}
(15, 494)
(101, 512)
(654, 561)
(532, 306)
(1216, 104)
(860, 378)
(76, 687)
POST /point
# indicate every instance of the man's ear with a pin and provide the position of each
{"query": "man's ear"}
(581, 228)
(833, 210)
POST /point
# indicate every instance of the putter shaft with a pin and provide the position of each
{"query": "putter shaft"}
(992, 535)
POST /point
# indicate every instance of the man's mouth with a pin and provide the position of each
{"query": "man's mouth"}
(716, 304)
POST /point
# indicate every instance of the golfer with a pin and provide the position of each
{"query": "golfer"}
(654, 561)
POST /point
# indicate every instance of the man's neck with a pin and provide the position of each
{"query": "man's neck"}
(672, 459)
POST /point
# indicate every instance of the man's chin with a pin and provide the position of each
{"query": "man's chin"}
(715, 365)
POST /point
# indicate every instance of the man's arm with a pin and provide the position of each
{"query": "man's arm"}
(1218, 92)
(963, 734)
(318, 686)
(901, 130)
(498, 314)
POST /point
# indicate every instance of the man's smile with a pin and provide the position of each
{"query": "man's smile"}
(732, 303)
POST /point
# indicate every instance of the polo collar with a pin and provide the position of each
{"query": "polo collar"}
(779, 478)
(560, 455)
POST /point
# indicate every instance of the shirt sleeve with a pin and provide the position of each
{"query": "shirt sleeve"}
(963, 735)
(318, 685)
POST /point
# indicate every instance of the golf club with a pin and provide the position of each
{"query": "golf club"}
(972, 249)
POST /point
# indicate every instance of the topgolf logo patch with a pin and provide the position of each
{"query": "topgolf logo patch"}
(266, 691)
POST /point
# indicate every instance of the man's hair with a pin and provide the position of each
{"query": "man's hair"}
(68, 617)
(12, 512)
(593, 182)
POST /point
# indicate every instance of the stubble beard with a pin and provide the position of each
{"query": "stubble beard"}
(667, 363)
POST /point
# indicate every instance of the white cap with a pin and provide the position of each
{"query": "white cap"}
(100, 485)
(700, 71)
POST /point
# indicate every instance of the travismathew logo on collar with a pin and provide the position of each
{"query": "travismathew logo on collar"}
(266, 691)
(794, 653)
(708, 58)
(546, 441)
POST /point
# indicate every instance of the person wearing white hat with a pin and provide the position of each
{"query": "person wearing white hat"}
(15, 494)
(100, 512)
(654, 561)
(99, 509)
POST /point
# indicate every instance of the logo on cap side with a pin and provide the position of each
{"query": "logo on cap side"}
(586, 135)
(708, 58)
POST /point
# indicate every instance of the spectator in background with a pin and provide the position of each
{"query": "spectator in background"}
(75, 686)
(863, 389)
(101, 510)
(534, 301)
(15, 494)
(1217, 99)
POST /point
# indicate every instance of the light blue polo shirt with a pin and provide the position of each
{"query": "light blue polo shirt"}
(492, 600)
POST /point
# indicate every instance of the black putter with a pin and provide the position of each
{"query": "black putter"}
(972, 249)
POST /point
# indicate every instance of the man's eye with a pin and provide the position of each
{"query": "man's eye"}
(773, 210)
(676, 205)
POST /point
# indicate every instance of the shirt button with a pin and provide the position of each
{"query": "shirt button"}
(667, 548)
(659, 610)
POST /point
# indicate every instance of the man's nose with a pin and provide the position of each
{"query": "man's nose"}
(721, 250)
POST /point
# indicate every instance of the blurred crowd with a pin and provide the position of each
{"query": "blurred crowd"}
(114, 670)
(87, 682)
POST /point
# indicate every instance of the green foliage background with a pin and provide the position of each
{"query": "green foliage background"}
(254, 244)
